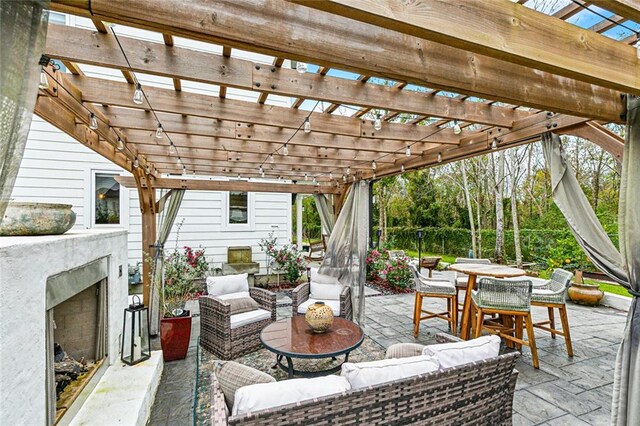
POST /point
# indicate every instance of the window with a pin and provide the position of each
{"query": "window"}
(238, 208)
(106, 199)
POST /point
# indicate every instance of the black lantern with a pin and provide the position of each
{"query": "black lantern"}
(309, 274)
(419, 250)
(136, 345)
(378, 234)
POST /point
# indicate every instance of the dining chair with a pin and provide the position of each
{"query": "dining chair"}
(433, 288)
(461, 279)
(511, 300)
(552, 296)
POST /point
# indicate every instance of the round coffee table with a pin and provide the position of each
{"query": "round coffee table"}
(292, 338)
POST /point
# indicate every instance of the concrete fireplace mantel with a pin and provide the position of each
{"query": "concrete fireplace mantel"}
(25, 265)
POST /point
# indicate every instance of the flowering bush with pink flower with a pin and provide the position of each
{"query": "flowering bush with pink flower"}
(286, 258)
(383, 271)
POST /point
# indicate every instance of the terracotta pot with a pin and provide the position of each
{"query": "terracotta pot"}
(319, 317)
(585, 294)
(175, 334)
(21, 219)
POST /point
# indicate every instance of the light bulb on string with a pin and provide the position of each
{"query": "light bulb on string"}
(172, 149)
(307, 125)
(344, 178)
(456, 127)
(159, 131)
(178, 160)
(285, 150)
(330, 175)
(239, 176)
(315, 181)
(407, 151)
(138, 96)
(306, 177)
(148, 169)
(93, 121)
(377, 124)
(402, 168)
(271, 159)
(374, 165)
(494, 143)
(439, 157)
(184, 170)
(301, 67)
(261, 171)
(136, 163)
(120, 144)
(44, 81)
(348, 170)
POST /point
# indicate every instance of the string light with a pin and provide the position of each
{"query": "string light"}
(148, 169)
(307, 125)
(136, 163)
(494, 143)
(285, 150)
(172, 149)
(239, 177)
(159, 131)
(184, 170)
(315, 182)
(348, 170)
(138, 96)
(120, 144)
(178, 160)
(344, 178)
(330, 175)
(306, 177)
(407, 152)
(301, 67)
(93, 121)
(271, 159)
(374, 165)
(456, 127)
(402, 168)
(44, 81)
(261, 172)
(377, 124)
(439, 157)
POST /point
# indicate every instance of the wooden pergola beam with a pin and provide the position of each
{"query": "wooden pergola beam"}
(600, 136)
(232, 185)
(83, 46)
(518, 35)
(249, 25)
(630, 9)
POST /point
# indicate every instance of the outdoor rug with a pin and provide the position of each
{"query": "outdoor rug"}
(263, 360)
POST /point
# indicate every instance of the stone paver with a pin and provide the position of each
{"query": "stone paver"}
(564, 391)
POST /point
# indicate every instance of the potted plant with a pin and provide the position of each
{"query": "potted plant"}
(183, 271)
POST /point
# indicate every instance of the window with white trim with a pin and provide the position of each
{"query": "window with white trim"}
(238, 208)
(106, 199)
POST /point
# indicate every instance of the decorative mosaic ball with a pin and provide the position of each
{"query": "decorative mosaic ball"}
(319, 317)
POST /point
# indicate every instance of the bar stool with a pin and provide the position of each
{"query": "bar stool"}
(511, 300)
(461, 279)
(442, 289)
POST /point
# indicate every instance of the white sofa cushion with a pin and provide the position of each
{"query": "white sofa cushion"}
(366, 374)
(225, 284)
(322, 279)
(261, 396)
(237, 295)
(238, 320)
(333, 304)
(458, 353)
(323, 291)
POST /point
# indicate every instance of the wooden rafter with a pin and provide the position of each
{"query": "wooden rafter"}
(246, 24)
(520, 35)
(168, 41)
(630, 9)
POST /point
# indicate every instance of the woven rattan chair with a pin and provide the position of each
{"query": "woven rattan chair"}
(440, 289)
(512, 301)
(301, 294)
(461, 280)
(552, 296)
(218, 336)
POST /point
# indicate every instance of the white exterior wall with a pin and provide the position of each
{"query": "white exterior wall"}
(58, 169)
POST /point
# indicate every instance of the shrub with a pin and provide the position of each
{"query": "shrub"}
(286, 258)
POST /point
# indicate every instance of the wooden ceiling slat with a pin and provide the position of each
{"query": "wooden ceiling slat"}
(521, 36)
(630, 9)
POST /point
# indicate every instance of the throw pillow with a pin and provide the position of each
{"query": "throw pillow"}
(242, 305)
(458, 353)
(232, 376)
(225, 284)
(267, 395)
(322, 291)
(364, 374)
(322, 279)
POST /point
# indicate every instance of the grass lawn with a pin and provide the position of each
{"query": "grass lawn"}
(610, 288)
(445, 257)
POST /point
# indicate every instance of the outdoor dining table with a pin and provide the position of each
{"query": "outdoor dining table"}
(485, 270)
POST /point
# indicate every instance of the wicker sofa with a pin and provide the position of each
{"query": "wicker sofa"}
(479, 393)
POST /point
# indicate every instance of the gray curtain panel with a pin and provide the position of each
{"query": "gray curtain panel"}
(166, 218)
(347, 246)
(23, 29)
(575, 207)
(625, 408)
(325, 210)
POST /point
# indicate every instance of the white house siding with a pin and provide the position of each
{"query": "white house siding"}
(58, 169)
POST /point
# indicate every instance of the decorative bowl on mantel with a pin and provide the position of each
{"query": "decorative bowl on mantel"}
(22, 219)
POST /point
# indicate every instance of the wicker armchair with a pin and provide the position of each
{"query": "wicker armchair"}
(216, 333)
(512, 301)
(301, 294)
(552, 295)
(439, 289)
(475, 393)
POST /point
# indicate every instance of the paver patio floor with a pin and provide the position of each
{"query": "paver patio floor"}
(564, 391)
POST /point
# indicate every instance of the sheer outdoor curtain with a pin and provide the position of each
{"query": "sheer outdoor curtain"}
(325, 210)
(623, 266)
(23, 29)
(347, 246)
(166, 218)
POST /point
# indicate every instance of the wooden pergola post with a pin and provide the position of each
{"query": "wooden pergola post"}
(147, 198)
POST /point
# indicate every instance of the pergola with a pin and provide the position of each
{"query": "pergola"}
(461, 79)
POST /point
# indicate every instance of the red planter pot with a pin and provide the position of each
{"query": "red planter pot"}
(175, 334)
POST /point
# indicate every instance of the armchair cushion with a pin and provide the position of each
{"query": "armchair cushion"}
(364, 374)
(239, 320)
(458, 353)
(242, 304)
(322, 291)
(333, 304)
(225, 284)
(232, 376)
(314, 275)
(237, 295)
(261, 396)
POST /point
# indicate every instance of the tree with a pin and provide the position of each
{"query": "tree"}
(499, 194)
(467, 198)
